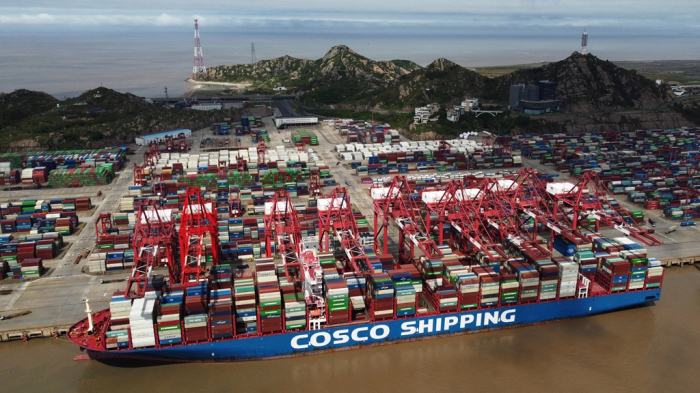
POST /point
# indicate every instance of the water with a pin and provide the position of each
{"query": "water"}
(647, 349)
(144, 61)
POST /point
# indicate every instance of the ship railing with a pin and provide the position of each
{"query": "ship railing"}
(583, 290)
(315, 323)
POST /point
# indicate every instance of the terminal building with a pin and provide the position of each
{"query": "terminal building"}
(144, 140)
(285, 117)
(296, 121)
(534, 99)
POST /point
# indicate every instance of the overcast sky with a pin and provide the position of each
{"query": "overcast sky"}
(638, 15)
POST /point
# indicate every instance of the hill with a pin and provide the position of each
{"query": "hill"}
(584, 84)
(441, 81)
(96, 118)
(595, 94)
(344, 79)
(21, 104)
(341, 75)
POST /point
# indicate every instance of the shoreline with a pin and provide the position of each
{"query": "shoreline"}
(209, 87)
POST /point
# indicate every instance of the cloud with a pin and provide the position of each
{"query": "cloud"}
(463, 19)
(91, 20)
(28, 19)
(167, 20)
(589, 7)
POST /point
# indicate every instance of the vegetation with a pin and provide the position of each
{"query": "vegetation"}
(507, 122)
(344, 79)
(496, 71)
(689, 109)
(96, 118)
(339, 76)
(346, 84)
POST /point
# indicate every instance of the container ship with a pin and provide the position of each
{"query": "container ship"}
(474, 254)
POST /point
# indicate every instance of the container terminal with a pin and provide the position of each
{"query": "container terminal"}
(534, 208)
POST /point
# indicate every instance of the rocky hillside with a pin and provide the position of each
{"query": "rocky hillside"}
(585, 84)
(343, 79)
(33, 120)
(441, 81)
(589, 84)
(284, 71)
(341, 75)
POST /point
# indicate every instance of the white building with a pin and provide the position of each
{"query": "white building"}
(281, 122)
(212, 106)
(470, 103)
(422, 114)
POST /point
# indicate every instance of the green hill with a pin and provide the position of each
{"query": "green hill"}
(441, 81)
(341, 75)
(584, 84)
(345, 79)
(22, 104)
(96, 118)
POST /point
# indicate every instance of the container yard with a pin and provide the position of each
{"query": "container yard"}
(257, 240)
(57, 169)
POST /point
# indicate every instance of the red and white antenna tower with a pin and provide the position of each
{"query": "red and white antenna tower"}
(198, 70)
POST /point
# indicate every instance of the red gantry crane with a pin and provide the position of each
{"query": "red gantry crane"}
(282, 226)
(182, 141)
(154, 241)
(396, 202)
(169, 143)
(589, 197)
(103, 224)
(262, 148)
(198, 236)
(336, 215)
(315, 181)
(467, 218)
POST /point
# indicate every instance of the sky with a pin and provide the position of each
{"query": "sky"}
(618, 16)
(67, 46)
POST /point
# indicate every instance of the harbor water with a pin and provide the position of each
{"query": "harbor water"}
(645, 349)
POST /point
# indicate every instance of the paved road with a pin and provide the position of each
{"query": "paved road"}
(56, 299)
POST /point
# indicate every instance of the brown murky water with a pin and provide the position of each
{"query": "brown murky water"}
(648, 349)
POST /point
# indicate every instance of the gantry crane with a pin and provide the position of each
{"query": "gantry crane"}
(589, 197)
(335, 214)
(282, 227)
(198, 237)
(315, 181)
(153, 243)
(397, 203)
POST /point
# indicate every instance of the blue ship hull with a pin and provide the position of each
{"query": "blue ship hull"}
(379, 333)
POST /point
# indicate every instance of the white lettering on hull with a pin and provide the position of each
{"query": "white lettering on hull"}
(363, 334)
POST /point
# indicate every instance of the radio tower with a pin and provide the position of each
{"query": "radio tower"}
(198, 70)
(584, 42)
(253, 58)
